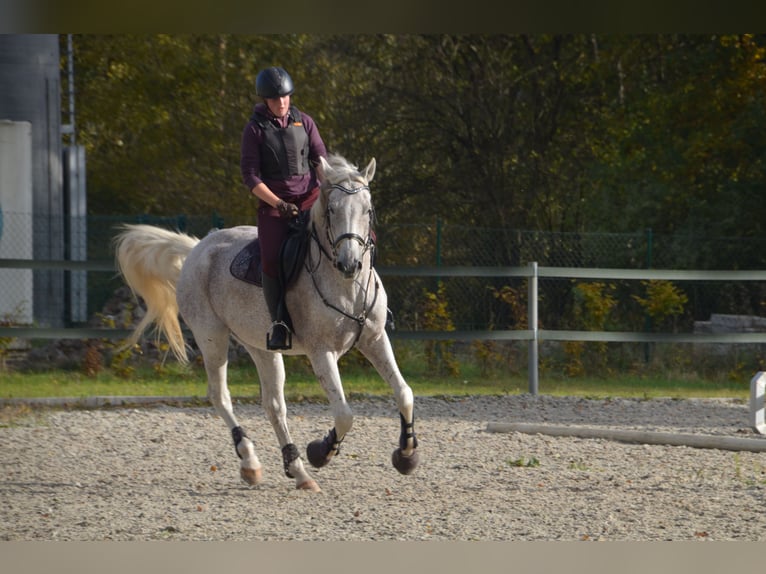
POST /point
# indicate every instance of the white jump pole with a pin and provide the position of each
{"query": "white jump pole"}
(757, 394)
(636, 436)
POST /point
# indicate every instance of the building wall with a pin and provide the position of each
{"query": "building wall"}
(16, 286)
(30, 91)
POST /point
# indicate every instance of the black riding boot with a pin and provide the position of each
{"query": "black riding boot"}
(280, 336)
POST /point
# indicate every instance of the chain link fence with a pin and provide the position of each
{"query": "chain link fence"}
(472, 303)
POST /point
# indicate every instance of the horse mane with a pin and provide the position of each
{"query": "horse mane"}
(341, 168)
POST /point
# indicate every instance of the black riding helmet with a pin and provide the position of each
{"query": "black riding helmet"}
(273, 83)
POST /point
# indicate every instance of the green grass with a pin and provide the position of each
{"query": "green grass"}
(174, 380)
(243, 382)
(501, 374)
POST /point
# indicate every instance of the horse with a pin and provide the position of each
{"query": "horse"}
(336, 302)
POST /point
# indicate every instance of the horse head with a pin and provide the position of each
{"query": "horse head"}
(344, 210)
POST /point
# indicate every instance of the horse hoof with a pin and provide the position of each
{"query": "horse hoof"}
(315, 453)
(309, 485)
(251, 476)
(404, 464)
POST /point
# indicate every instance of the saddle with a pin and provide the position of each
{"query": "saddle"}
(247, 267)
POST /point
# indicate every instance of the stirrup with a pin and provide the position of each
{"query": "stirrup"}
(280, 337)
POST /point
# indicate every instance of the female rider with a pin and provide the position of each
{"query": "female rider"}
(280, 152)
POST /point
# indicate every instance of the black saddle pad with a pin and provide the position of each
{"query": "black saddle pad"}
(247, 264)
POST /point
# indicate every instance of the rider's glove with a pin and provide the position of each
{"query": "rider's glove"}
(287, 209)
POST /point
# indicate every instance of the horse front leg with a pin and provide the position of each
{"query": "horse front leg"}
(378, 351)
(271, 372)
(321, 451)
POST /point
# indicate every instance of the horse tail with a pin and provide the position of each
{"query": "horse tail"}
(150, 259)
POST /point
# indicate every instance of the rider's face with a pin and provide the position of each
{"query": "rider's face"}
(279, 106)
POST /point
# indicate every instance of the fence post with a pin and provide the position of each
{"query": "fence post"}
(532, 320)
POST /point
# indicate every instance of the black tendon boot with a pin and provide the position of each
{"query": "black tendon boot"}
(280, 337)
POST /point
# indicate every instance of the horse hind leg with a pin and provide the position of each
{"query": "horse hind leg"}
(271, 372)
(250, 469)
(215, 354)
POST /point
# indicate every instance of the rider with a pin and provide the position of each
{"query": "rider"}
(281, 147)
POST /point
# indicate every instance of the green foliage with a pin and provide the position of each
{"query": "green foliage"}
(545, 131)
(121, 360)
(4, 344)
(120, 363)
(93, 361)
(663, 300)
(161, 117)
(523, 462)
(685, 143)
(593, 304)
(436, 317)
(487, 354)
(491, 355)
(11, 319)
(516, 300)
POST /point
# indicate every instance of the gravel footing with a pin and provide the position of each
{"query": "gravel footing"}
(168, 472)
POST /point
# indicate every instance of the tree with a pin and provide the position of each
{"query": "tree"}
(161, 118)
(689, 140)
(545, 132)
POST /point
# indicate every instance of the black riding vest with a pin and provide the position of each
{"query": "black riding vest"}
(284, 152)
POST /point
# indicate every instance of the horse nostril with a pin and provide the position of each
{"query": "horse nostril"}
(348, 269)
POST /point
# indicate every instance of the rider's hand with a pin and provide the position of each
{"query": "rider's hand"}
(287, 209)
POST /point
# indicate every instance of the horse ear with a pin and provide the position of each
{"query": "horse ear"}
(369, 171)
(324, 167)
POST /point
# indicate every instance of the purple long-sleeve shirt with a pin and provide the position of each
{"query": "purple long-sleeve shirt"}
(250, 159)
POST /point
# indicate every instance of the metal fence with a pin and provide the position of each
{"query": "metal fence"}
(471, 301)
(533, 334)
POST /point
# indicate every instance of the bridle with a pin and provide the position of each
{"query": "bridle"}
(367, 244)
(334, 241)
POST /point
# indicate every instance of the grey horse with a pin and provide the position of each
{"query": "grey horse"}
(336, 302)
